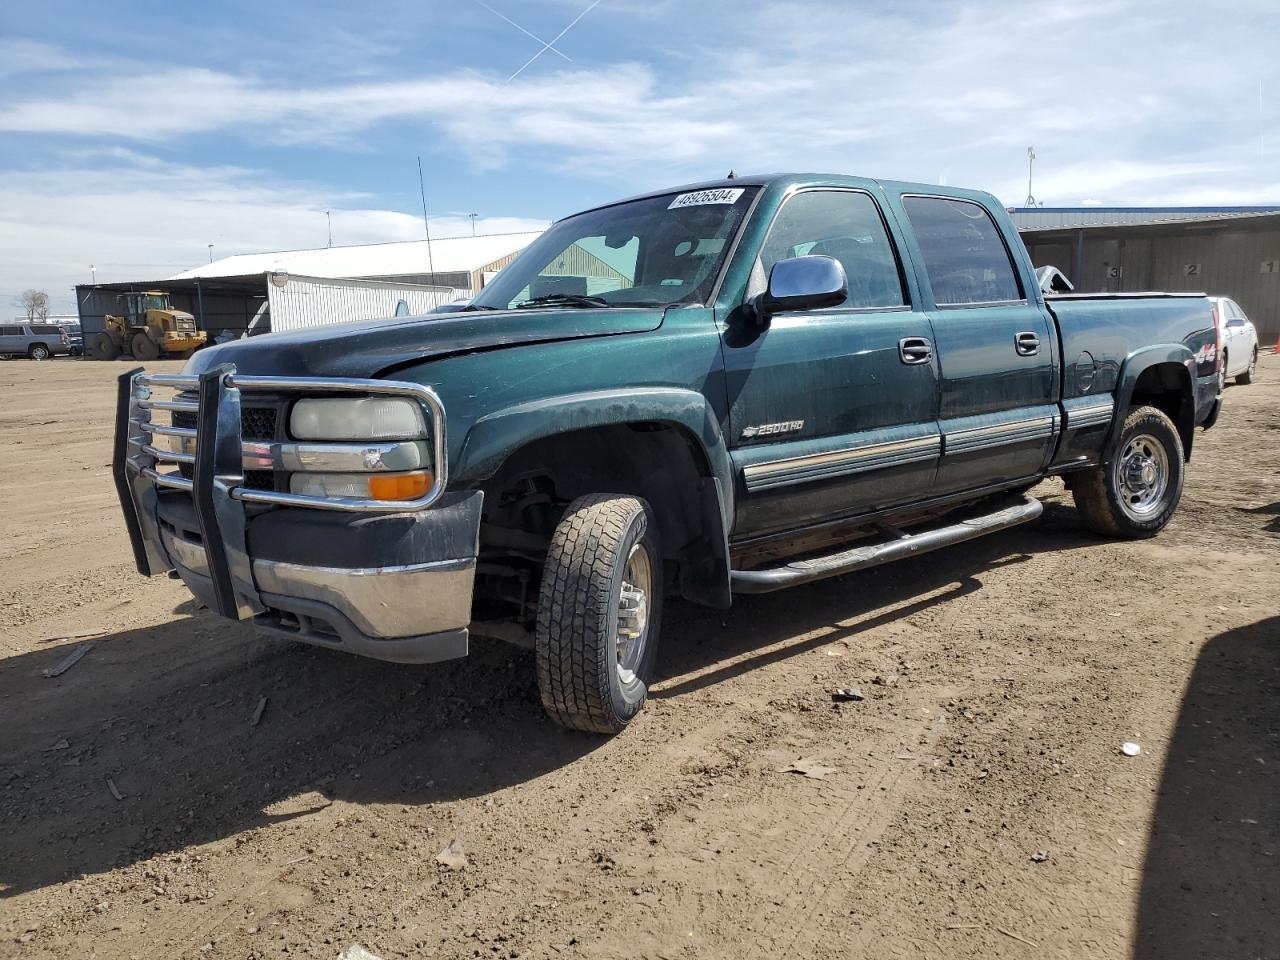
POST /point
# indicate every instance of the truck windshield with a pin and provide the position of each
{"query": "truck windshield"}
(152, 302)
(651, 252)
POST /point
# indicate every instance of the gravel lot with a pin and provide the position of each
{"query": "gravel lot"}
(977, 802)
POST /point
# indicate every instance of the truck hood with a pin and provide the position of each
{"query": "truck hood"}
(369, 348)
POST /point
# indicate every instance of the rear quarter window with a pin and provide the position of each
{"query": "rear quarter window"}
(964, 255)
(46, 329)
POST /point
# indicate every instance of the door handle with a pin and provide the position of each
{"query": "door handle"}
(914, 350)
(1026, 344)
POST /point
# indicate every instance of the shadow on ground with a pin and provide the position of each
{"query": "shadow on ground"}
(1211, 882)
(165, 713)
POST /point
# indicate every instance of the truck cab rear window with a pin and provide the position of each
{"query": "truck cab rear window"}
(964, 256)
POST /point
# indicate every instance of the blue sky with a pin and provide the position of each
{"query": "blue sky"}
(134, 135)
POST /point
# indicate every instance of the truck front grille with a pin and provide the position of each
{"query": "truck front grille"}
(256, 423)
(162, 437)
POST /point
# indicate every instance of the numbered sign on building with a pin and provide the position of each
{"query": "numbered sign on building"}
(1270, 266)
(1191, 269)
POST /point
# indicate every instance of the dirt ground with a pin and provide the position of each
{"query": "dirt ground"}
(977, 803)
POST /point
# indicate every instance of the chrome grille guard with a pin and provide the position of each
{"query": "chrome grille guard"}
(216, 486)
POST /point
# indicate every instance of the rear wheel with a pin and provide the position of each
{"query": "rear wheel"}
(1247, 377)
(599, 613)
(105, 347)
(144, 348)
(38, 351)
(1136, 494)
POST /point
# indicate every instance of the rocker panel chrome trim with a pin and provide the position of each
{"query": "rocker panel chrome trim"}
(835, 463)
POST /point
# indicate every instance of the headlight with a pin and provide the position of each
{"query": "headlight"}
(365, 418)
(365, 486)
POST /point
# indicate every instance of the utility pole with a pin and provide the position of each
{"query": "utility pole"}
(472, 218)
(211, 253)
(93, 272)
(329, 217)
(1031, 159)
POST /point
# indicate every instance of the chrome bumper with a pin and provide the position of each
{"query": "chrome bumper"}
(405, 598)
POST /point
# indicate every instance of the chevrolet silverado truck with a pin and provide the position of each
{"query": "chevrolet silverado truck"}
(724, 388)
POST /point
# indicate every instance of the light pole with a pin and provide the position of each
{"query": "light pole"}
(329, 218)
(211, 253)
(472, 218)
(1031, 159)
(93, 272)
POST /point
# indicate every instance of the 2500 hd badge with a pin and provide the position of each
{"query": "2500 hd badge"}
(594, 432)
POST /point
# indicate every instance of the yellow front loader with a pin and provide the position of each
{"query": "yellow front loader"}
(149, 328)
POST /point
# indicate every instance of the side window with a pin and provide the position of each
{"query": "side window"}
(46, 328)
(964, 255)
(848, 227)
(10, 331)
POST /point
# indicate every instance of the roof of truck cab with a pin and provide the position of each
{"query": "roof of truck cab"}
(787, 180)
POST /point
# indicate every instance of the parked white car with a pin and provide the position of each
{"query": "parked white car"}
(1239, 340)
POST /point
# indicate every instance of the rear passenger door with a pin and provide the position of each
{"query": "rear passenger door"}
(996, 347)
(829, 416)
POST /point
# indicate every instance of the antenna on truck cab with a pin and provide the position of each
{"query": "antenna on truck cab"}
(426, 225)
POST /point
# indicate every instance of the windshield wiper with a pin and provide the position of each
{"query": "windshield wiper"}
(567, 299)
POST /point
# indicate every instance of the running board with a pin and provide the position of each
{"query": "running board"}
(1009, 514)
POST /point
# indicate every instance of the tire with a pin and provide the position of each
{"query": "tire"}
(1246, 378)
(144, 348)
(1135, 495)
(587, 681)
(38, 351)
(105, 347)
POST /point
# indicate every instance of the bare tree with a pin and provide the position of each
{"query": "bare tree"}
(35, 303)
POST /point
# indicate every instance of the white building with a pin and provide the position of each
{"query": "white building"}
(325, 285)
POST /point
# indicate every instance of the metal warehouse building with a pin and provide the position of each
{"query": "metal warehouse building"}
(1223, 251)
(308, 287)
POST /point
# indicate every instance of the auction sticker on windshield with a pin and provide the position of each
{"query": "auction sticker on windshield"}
(700, 197)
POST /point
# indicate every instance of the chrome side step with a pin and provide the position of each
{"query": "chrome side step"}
(1009, 513)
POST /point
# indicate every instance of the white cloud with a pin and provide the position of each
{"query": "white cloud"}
(891, 91)
(18, 56)
(136, 217)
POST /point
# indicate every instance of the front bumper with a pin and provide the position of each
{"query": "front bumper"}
(394, 584)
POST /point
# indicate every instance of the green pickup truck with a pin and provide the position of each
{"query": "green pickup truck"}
(724, 388)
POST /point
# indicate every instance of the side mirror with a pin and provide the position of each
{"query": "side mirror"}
(801, 283)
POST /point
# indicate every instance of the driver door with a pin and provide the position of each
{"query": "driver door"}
(832, 412)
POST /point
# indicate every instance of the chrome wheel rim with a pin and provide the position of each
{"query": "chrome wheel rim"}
(631, 629)
(1142, 477)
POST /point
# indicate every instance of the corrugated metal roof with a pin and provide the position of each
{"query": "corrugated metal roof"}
(449, 255)
(1074, 218)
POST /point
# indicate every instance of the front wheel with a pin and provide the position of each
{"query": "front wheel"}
(1136, 494)
(1247, 377)
(105, 347)
(144, 348)
(38, 351)
(599, 613)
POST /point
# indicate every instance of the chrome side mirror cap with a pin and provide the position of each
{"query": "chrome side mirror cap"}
(801, 283)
